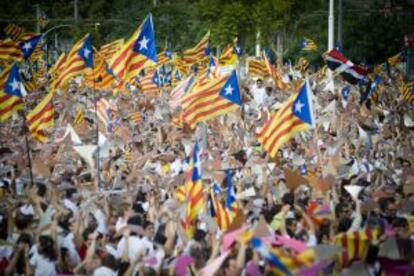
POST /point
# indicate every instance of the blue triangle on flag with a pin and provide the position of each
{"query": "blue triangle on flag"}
(302, 105)
(230, 89)
(86, 52)
(27, 46)
(145, 44)
(12, 86)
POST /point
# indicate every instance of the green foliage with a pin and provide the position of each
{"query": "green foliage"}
(369, 34)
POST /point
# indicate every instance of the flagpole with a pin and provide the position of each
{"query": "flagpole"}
(28, 150)
(330, 33)
(98, 167)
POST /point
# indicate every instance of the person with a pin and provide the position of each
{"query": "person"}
(43, 257)
(259, 93)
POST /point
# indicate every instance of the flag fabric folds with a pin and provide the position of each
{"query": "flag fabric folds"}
(40, 118)
(10, 50)
(350, 72)
(257, 67)
(194, 192)
(211, 99)
(198, 52)
(29, 44)
(308, 44)
(77, 61)
(179, 91)
(151, 82)
(13, 31)
(10, 92)
(355, 245)
(217, 210)
(407, 93)
(107, 51)
(138, 52)
(294, 116)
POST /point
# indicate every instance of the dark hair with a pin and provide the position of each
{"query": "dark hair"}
(47, 247)
(22, 221)
(344, 224)
(88, 230)
(288, 198)
(41, 189)
(109, 261)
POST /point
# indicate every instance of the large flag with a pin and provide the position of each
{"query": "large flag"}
(29, 44)
(350, 72)
(198, 52)
(138, 52)
(211, 99)
(14, 31)
(272, 71)
(257, 68)
(10, 50)
(294, 116)
(78, 60)
(107, 51)
(307, 44)
(58, 66)
(179, 91)
(355, 245)
(40, 118)
(11, 92)
(194, 192)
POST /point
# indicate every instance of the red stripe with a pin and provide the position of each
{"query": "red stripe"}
(204, 113)
(344, 242)
(42, 121)
(286, 131)
(40, 113)
(356, 245)
(279, 124)
(10, 107)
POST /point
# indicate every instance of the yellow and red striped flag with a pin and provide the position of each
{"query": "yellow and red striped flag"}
(137, 53)
(99, 77)
(294, 116)
(79, 59)
(198, 52)
(150, 83)
(10, 92)
(194, 193)
(228, 56)
(217, 210)
(272, 71)
(257, 68)
(58, 66)
(14, 31)
(40, 118)
(10, 50)
(107, 51)
(355, 245)
(135, 117)
(211, 99)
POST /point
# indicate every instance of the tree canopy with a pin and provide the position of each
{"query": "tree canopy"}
(372, 30)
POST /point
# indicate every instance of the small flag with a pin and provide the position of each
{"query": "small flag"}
(28, 45)
(350, 72)
(308, 44)
(345, 95)
(10, 92)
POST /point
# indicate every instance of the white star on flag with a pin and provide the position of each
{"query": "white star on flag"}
(229, 90)
(143, 43)
(27, 46)
(14, 84)
(86, 52)
(298, 106)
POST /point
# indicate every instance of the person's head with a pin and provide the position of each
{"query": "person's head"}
(291, 226)
(46, 247)
(22, 221)
(41, 190)
(87, 235)
(344, 224)
(389, 207)
(401, 227)
(149, 229)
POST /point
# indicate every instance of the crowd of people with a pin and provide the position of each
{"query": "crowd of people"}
(293, 214)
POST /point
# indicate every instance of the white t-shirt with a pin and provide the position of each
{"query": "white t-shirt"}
(259, 95)
(42, 266)
(104, 271)
(135, 246)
